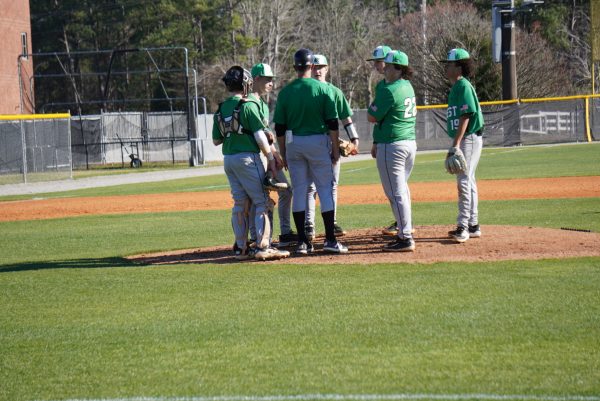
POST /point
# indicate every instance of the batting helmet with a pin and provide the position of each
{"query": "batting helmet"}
(303, 57)
(237, 78)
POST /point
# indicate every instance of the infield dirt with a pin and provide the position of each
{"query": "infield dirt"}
(432, 242)
(530, 188)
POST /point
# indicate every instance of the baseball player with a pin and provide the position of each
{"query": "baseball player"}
(262, 76)
(239, 127)
(304, 114)
(319, 72)
(378, 60)
(394, 113)
(465, 127)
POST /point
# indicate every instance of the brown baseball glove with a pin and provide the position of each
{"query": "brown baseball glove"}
(346, 148)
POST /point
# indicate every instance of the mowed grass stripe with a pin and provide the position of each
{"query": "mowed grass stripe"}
(364, 397)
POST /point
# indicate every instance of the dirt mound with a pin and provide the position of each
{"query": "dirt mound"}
(432, 245)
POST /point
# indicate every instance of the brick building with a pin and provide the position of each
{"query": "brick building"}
(15, 39)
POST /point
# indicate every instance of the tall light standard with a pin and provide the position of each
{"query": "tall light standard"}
(503, 41)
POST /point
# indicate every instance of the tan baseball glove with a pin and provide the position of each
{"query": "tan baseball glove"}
(346, 148)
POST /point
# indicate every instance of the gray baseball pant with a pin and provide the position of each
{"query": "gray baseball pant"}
(245, 172)
(284, 206)
(309, 160)
(468, 199)
(395, 162)
(311, 196)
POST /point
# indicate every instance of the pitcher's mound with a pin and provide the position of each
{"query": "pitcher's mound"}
(432, 245)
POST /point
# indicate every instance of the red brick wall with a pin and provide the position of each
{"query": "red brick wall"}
(14, 19)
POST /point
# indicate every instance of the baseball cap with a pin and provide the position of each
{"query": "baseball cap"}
(262, 70)
(396, 57)
(320, 59)
(456, 54)
(380, 52)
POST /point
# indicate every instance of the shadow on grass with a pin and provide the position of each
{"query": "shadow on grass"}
(217, 255)
(93, 263)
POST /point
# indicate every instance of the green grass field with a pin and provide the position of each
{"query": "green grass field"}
(80, 322)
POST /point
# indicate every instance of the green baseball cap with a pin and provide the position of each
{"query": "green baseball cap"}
(396, 57)
(261, 70)
(380, 52)
(456, 54)
(320, 59)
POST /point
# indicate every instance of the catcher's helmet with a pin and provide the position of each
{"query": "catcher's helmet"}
(237, 78)
(303, 57)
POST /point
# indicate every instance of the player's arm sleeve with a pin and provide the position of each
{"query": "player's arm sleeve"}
(263, 143)
(216, 134)
(330, 108)
(351, 130)
(381, 105)
(280, 130)
(343, 107)
(468, 106)
(251, 117)
(332, 124)
(279, 115)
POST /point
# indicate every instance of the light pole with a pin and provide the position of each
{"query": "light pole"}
(503, 31)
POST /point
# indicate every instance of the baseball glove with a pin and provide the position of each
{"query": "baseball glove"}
(270, 184)
(455, 161)
(346, 147)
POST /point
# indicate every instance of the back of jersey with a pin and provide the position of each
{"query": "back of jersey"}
(304, 105)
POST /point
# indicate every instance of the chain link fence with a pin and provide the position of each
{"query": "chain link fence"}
(530, 122)
(35, 148)
(42, 147)
(119, 138)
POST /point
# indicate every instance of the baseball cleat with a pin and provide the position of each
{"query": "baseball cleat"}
(242, 254)
(289, 239)
(309, 230)
(474, 231)
(334, 247)
(400, 245)
(339, 231)
(270, 254)
(461, 234)
(305, 248)
(391, 231)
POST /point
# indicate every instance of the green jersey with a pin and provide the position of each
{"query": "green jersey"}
(462, 100)
(395, 109)
(341, 104)
(263, 108)
(304, 105)
(250, 120)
